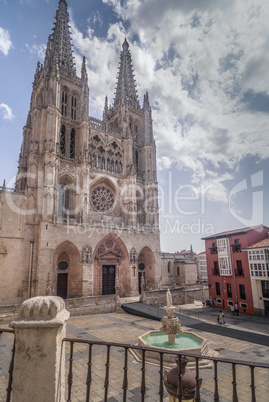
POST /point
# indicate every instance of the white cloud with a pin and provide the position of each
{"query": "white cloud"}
(6, 112)
(39, 50)
(5, 41)
(96, 19)
(201, 63)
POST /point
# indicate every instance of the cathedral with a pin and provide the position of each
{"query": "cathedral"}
(83, 216)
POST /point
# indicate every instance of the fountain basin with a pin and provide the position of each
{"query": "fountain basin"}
(183, 341)
(187, 341)
(193, 343)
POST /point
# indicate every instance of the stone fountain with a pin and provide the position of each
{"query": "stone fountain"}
(171, 337)
(170, 324)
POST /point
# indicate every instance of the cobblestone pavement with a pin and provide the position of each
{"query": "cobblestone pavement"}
(121, 327)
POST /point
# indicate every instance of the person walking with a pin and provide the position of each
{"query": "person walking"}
(236, 308)
(232, 309)
(221, 317)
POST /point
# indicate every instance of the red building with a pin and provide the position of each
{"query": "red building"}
(229, 279)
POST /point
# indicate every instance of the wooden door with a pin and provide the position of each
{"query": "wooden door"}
(108, 279)
(62, 285)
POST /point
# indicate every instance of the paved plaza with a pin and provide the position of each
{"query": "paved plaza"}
(125, 328)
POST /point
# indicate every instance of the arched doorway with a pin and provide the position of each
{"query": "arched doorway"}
(111, 263)
(146, 268)
(67, 271)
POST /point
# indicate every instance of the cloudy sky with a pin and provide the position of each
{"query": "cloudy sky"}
(205, 64)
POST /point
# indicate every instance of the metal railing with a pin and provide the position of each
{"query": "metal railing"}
(107, 368)
(160, 390)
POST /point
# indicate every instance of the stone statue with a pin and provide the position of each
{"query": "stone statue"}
(87, 255)
(133, 255)
(168, 298)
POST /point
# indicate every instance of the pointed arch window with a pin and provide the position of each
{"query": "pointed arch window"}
(74, 108)
(64, 103)
(169, 267)
(64, 199)
(72, 143)
(62, 140)
(136, 161)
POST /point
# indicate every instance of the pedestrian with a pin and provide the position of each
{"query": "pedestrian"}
(232, 309)
(236, 308)
(203, 303)
(221, 317)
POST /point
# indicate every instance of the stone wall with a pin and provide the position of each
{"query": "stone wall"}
(180, 295)
(158, 297)
(78, 306)
(15, 247)
(9, 313)
(196, 293)
(91, 305)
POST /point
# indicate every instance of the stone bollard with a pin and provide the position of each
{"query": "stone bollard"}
(39, 364)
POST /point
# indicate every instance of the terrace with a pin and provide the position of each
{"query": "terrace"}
(97, 369)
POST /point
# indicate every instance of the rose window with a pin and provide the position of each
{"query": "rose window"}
(102, 199)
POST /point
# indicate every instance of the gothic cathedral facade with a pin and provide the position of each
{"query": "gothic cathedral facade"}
(84, 212)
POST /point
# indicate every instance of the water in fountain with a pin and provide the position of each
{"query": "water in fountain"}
(180, 341)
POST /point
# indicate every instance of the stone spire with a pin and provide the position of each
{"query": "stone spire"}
(147, 120)
(105, 112)
(126, 86)
(59, 48)
(84, 74)
(85, 97)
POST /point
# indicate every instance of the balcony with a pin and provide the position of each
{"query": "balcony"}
(215, 271)
(239, 272)
(213, 250)
(236, 247)
(98, 370)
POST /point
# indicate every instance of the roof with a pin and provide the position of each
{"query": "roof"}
(202, 252)
(235, 232)
(260, 244)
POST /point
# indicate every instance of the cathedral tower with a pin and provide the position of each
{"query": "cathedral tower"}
(90, 185)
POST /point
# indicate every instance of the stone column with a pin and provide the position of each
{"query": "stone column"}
(40, 354)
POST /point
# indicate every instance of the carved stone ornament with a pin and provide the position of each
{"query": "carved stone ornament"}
(109, 243)
(117, 249)
(133, 256)
(109, 246)
(142, 258)
(86, 255)
(67, 169)
(41, 310)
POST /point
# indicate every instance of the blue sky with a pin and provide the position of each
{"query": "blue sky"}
(205, 66)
